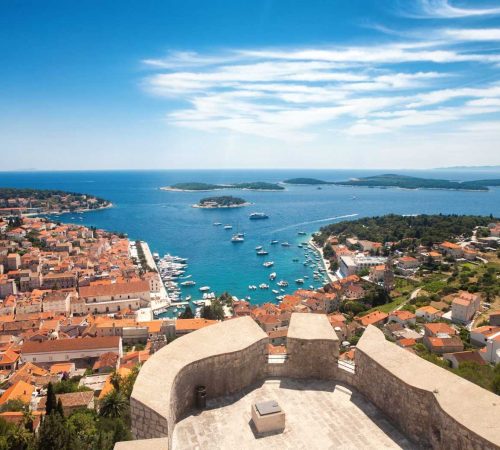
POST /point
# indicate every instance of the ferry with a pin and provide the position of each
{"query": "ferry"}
(204, 288)
(228, 227)
(272, 276)
(237, 238)
(262, 253)
(268, 264)
(258, 216)
(188, 283)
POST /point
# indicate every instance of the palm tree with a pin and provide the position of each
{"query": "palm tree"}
(113, 405)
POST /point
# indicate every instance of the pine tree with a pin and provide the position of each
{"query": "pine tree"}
(51, 403)
(60, 408)
(53, 434)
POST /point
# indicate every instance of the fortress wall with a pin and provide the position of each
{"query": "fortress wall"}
(432, 406)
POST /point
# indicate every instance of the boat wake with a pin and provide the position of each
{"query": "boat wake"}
(314, 221)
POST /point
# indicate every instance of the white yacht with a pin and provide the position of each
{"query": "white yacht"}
(204, 288)
(268, 264)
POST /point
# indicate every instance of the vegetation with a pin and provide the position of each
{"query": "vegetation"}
(312, 181)
(215, 311)
(225, 201)
(406, 232)
(256, 186)
(406, 182)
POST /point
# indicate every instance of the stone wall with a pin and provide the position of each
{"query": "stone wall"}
(225, 358)
(432, 406)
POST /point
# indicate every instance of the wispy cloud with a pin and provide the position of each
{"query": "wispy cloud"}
(294, 94)
(444, 9)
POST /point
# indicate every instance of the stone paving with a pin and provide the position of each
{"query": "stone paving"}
(319, 415)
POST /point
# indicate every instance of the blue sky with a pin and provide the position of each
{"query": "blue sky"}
(261, 84)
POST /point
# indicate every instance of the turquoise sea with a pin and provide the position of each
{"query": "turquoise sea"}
(169, 224)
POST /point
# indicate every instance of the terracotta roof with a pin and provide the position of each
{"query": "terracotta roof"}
(62, 345)
(402, 314)
(374, 317)
(468, 356)
(71, 399)
(62, 368)
(192, 324)
(439, 327)
(19, 390)
(114, 289)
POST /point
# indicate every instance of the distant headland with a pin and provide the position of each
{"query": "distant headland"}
(225, 201)
(196, 186)
(21, 201)
(402, 181)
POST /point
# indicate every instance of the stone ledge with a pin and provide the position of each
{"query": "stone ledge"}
(311, 327)
(143, 444)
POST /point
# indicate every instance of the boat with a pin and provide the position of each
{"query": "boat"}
(274, 291)
(282, 283)
(204, 288)
(217, 224)
(299, 245)
(259, 247)
(252, 287)
(156, 257)
(228, 227)
(188, 283)
(262, 253)
(188, 298)
(258, 216)
(272, 276)
(268, 264)
(274, 242)
(237, 238)
(285, 244)
(263, 286)
(301, 233)
(299, 281)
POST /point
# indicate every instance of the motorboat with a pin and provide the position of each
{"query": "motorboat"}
(263, 286)
(258, 216)
(272, 276)
(285, 244)
(188, 283)
(262, 253)
(228, 227)
(237, 239)
(299, 281)
(204, 288)
(268, 264)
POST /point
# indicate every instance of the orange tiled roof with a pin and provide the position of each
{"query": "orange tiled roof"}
(19, 390)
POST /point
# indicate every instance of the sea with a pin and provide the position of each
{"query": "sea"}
(169, 223)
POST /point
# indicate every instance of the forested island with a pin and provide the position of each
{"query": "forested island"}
(419, 230)
(17, 201)
(196, 186)
(225, 201)
(402, 181)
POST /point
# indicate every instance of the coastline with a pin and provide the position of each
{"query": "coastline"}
(171, 189)
(77, 211)
(326, 263)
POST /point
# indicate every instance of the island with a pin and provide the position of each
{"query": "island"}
(225, 201)
(196, 186)
(21, 201)
(403, 182)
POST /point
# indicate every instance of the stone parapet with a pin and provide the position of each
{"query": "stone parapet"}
(432, 406)
(225, 358)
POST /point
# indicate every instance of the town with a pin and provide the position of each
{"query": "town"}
(76, 323)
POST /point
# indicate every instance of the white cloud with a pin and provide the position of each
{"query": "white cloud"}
(469, 34)
(443, 9)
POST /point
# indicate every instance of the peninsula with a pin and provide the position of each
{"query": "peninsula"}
(196, 186)
(225, 201)
(20, 201)
(402, 181)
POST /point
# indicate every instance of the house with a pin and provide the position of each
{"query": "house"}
(107, 362)
(428, 313)
(375, 318)
(440, 338)
(63, 368)
(464, 306)
(18, 391)
(9, 360)
(403, 317)
(451, 249)
(408, 263)
(479, 336)
(491, 352)
(71, 401)
(115, 297)
(185, 326)
(377, 273)
(48, 352)
(354, 291)
(495, 318)
(57, 302)
(458, 358)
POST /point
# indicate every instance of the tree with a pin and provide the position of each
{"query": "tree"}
(53, 434)
(187, 313)
(83, 427)
(51, 403)
(113, 405)
(59, 408)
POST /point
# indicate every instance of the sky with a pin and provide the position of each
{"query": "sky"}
(249, 84)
